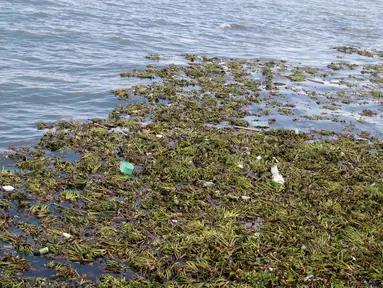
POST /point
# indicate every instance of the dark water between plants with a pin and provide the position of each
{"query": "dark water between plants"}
(59, 59)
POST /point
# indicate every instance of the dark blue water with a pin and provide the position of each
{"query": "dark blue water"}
(60, 58)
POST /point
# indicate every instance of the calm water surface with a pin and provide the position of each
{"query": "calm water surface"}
(60, 58)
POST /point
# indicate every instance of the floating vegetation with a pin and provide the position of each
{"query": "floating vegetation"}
(368, 112)
(359, 51)
(206, 204)
(297, 75)
(342, 66)
(153, 57)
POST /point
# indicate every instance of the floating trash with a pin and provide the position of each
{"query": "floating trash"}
(42, 251)
(258, 124)
(309, 277)
(159, 136)
(66, 235)
(126, 168)
(121, 130)
(8, 188)
(240, 166)
(276, 160)
(257, 234)
(146, 131)
(208, 184)
(252, 175)
(259, 158)
(277, 177)
(246, 197)
(146, 123)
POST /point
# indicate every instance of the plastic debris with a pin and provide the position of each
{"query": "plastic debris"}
(275, 159)
(309, 277)
(246, 197)
(145, 123)
(316, 81)
(66, 235)
(159, 136)
(252, 175)
(248, 129)
(259, 157)
(174, 221)
(297, 131)
(361, 139)
(240, 166)
(258, 124)
(277, 177)
(208, 184)
(8, 188)
(13, 252)
(126, 167)
(257, 234)
(121, 130)
(42, 251)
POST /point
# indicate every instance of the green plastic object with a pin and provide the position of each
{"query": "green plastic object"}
(126, 167)
(44, 250)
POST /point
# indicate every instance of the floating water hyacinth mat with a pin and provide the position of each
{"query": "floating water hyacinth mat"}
(201, 208)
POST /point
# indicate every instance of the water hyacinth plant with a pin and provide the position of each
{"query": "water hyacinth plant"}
(163, 226)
